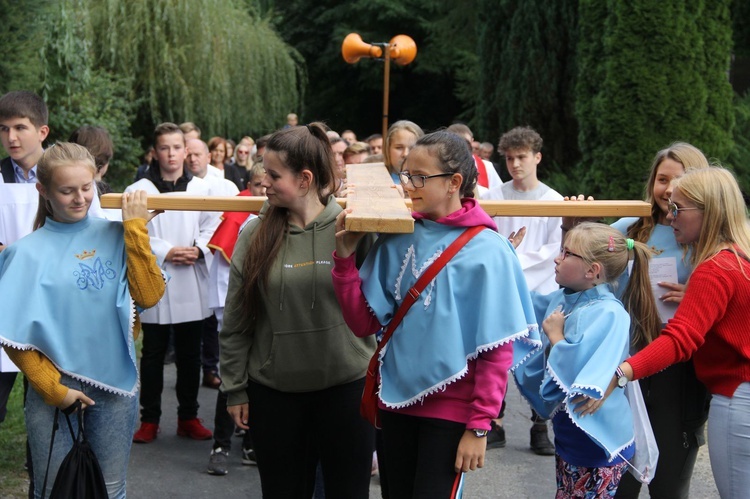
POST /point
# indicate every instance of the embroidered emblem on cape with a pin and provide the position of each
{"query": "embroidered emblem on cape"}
(85, 255)
(410, 258)
(94, 275)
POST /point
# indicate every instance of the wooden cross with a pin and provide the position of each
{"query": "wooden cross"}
(377, 205)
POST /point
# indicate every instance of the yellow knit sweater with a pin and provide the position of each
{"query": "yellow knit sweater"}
(146, 287)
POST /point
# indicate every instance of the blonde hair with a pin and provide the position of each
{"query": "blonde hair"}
(256, 170)
(716, 193)
(59, 155)
(691, 158)
(398, 126)
(593, 241)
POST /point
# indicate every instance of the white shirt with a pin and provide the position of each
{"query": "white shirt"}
(543, 238)
(185, 298)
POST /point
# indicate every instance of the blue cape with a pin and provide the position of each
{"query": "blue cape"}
(478, 302)
(597, 334)
(65, 293)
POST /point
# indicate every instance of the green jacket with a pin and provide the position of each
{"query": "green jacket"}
(299, 341)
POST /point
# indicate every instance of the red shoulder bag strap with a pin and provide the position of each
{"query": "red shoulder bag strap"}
(422, 283)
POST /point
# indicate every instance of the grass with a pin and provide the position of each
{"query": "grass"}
(14, 481)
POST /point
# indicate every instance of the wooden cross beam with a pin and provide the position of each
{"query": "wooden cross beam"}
(378, 207)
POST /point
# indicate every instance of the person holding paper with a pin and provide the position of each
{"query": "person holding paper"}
(707, 210)
(676, 401)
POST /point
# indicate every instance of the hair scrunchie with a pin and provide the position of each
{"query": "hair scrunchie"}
(630, 243)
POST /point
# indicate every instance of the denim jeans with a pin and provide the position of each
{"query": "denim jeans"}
(729, 442)
(109, 425)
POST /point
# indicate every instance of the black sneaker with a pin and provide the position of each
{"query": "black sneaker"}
(540, 443)
(248, 457)
(217, 463)
(496, 436)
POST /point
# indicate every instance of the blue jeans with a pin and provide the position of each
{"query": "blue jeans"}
(729, 442)
(109, 424)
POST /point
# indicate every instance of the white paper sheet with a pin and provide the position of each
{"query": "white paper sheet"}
(661, 270)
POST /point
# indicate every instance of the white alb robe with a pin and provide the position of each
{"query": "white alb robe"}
(541, 245)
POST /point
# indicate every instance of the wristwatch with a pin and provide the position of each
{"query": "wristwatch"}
(479, 433)
(621, 379)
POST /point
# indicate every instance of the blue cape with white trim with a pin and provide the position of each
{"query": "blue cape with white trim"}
(597, 336)
(478, 302)
(65, 293)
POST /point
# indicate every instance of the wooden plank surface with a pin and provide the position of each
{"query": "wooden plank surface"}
(493, 208)
(377, 206)
(566, 208)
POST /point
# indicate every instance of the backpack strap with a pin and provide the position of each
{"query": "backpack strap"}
(75, 405)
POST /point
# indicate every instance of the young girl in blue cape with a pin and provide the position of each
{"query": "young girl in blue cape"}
(444, 372)
(586, 336)
(69, 321)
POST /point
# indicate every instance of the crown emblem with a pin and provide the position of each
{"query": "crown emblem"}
(86, 254)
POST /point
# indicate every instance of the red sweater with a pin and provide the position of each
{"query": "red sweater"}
(711, 325)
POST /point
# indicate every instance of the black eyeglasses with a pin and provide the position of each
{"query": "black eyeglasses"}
(674, 210)
(565, 252)
(418, 180)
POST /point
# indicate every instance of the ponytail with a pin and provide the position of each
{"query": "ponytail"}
(606, 245)
(638, 299)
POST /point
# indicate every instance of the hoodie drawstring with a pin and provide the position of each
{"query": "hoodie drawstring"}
(315, 267)
(283, 259)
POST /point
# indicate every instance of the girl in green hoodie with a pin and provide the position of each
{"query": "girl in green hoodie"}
(292, 370)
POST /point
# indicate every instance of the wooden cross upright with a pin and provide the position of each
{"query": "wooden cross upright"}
(378, 207)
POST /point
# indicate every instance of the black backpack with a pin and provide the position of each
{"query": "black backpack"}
(79, 475)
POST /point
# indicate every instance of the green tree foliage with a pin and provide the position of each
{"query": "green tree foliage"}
(21, 38)
(351, 95)
(207, 61)
(78, 93)
(526, 73)
(649, 73)
(739, 158)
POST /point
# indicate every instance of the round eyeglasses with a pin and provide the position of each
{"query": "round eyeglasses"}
(674, 210)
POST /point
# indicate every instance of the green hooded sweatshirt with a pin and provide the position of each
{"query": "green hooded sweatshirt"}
(299, 341)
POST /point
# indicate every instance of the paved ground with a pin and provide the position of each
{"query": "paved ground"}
(175, 467)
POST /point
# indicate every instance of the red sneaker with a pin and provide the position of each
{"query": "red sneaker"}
(193, 428)
(146, 433)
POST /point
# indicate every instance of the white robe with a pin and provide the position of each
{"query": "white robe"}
(493, 181)
(541, 245)
(185, 298)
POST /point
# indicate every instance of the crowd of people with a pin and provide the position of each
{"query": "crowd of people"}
(281, 311)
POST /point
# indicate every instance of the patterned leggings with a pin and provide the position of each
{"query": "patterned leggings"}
(587, 483)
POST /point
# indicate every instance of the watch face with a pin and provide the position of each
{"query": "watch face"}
(622, 381)
(480, 433)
